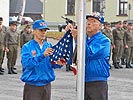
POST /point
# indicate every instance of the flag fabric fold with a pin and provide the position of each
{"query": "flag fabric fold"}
(63, 49)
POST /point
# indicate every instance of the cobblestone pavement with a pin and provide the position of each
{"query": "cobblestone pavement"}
(64, 87)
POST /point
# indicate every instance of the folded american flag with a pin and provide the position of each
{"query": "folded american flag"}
(63, 50)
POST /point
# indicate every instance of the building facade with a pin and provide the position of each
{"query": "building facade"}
(118, 10)
(113, 10)
(4, 11)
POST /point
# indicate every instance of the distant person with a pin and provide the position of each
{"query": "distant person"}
(26, 35)
(38, 72)
(123, 58)
(2, 44)
(128, 44)
(12, 38)
(118, 36)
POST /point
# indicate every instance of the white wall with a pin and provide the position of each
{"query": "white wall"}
(4, 11)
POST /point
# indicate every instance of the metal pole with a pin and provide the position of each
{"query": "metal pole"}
(81, 48)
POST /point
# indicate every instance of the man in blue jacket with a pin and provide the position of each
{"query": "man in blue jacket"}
(38, 73)
(97, 58)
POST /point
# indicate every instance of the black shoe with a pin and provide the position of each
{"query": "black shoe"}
(9, 71)
(14, 68)
(123, 63)
(13, 72)
(119, 65)
(1, 73)
(127, 66)
(130, 66)
(1, 69)
(116, 66)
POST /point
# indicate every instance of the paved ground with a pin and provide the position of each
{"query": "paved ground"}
(120, 84)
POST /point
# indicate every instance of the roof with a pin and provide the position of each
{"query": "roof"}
(32, 6)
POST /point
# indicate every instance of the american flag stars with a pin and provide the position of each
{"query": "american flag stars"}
(63, 49)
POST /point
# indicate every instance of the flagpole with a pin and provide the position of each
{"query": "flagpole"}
(81, 48)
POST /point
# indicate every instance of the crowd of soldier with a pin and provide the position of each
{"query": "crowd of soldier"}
(121, 37)
(9, 43)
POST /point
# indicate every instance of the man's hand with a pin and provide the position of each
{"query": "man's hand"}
(48, 51)
(61, 62)
(6, 49)
(74, 33)
(73, 30)
(126, 46)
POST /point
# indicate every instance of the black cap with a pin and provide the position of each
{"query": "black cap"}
(14, 23)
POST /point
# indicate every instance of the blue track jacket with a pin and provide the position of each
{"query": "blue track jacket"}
(97, 58)
(37, 69)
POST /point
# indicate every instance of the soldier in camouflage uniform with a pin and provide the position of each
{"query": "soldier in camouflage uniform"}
(2, 47)
(128, 43)
(12, 38)
(118, 36)
(26, 35)
(123, 62)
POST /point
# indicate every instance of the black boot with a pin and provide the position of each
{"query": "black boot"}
(116, 66)
(132, 62)
(127, 65)
(1, 69)
(123, 61)
(13, 72)
(14, 68)
(1, 73)
(9, 70)
(130, 65)
(119, 65)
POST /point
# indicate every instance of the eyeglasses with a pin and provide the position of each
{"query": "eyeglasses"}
(92, 21)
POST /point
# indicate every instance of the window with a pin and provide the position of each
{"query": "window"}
(70, 7)
(99, 6)
(96, 5)
(123, 7)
